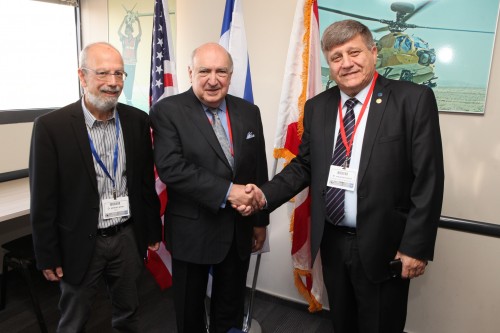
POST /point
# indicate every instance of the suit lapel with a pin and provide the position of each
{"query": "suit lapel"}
(81, 135)
(201, 121)
(378, 105)
(331, 112)
(236, 121)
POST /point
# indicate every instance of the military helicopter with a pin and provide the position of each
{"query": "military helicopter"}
(401, 56)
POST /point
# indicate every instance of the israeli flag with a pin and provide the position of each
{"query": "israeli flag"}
(233, 39)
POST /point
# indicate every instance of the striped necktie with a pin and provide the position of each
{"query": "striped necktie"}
(334, 198)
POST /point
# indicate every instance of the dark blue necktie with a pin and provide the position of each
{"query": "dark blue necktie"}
(334, 197)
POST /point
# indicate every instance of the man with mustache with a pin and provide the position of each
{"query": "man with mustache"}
(94, 208)
(372, 157)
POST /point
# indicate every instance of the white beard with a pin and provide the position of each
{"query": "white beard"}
(104, 104)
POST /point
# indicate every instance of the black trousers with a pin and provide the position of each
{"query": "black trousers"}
(228, 294)
(117, 260)
(357, 305)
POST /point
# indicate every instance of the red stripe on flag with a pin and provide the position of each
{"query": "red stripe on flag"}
(163, 201)
(309, 282)
(293, 140)
(159, 271)
(168, 80)
(301, 222)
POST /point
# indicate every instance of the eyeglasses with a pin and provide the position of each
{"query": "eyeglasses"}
(104, 75)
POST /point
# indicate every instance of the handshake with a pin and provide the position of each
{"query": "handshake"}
(246, 199)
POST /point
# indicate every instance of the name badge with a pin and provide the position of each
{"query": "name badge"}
(115, 207)
(341, 178)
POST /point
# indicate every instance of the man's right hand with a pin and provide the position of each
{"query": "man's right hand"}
(257, 204)
(53, 275)
(239, 196)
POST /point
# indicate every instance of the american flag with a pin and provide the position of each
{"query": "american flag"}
(163, 83)
(163, 80)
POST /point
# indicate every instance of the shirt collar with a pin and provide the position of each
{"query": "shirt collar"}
(221, 107)
(90, 120)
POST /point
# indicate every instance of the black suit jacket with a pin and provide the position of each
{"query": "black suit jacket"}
(190, 161)
(64, 195)
(400, 176)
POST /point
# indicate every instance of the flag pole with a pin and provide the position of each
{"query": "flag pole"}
(247, 322)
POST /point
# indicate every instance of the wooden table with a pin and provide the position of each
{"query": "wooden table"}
(14, 199)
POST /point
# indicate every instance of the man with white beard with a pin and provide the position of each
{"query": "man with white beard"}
(94, 208)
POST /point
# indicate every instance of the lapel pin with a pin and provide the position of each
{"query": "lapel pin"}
(379, 100)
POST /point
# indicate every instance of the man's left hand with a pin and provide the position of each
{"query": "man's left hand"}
(259, 236)
(412, 267)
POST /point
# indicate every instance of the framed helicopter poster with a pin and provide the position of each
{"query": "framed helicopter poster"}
(444, 44)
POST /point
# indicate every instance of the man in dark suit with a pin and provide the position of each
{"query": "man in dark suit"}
(376, 196)
(94, 208)
(205, 143)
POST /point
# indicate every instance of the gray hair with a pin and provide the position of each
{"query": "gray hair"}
(84, 54)
(341, 32)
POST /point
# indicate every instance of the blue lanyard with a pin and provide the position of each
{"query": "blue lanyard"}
(115, 155)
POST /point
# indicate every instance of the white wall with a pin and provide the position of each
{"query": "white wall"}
(15, 139)
(460, 292)
(94, 16)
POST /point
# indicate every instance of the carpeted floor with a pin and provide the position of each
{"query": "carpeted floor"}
(156, 312)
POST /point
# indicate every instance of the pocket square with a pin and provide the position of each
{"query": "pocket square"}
(250, 135)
